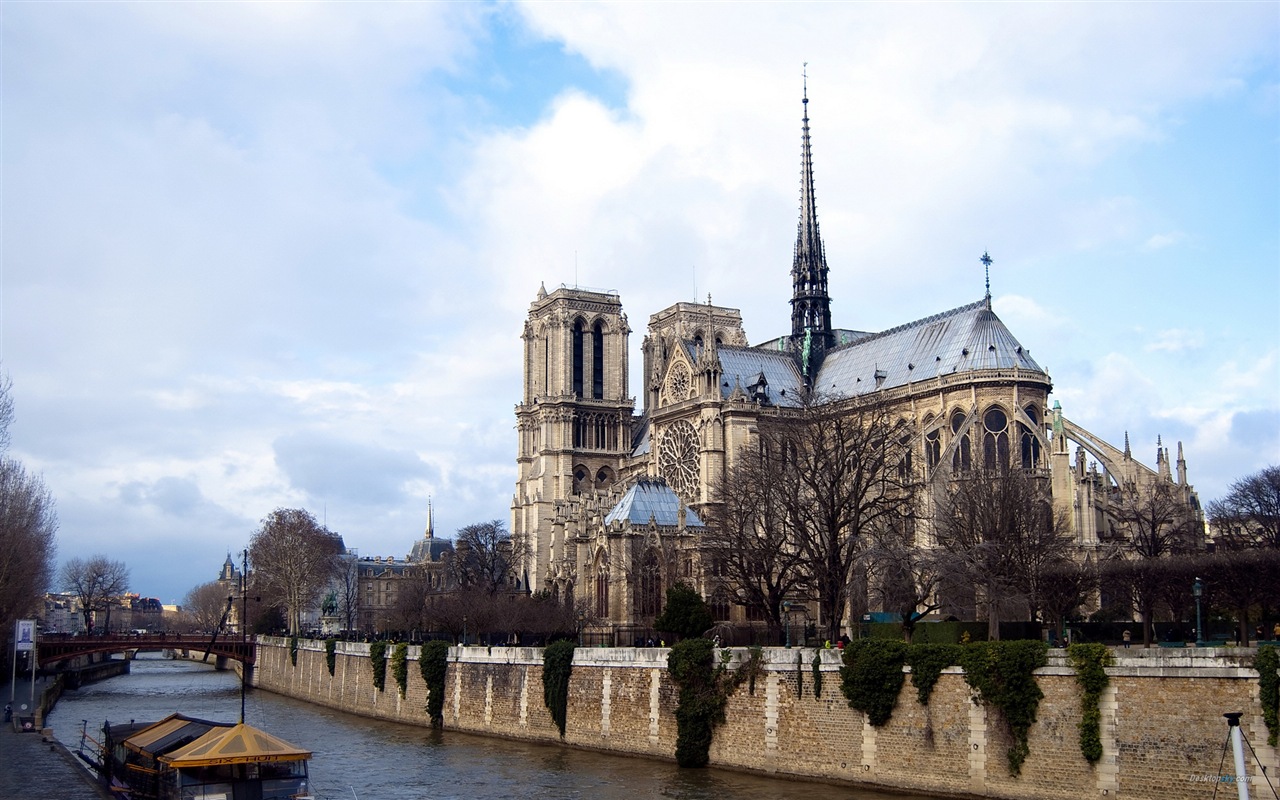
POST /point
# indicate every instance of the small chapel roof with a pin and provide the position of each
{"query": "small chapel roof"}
(652, 499)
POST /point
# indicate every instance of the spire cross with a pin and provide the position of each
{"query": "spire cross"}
(986, 266)
(804, 72)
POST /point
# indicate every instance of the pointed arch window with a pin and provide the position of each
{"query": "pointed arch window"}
(578, 331)
(995, 439)
(1030, 443)
(602, 589)
(649, 599)
(720, 605)
(597, 361)
(933, 448)
(962, 459)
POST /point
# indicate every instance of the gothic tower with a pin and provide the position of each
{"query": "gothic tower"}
(574, 424)
(811, 331)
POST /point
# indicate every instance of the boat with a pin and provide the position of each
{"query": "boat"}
(184, 758)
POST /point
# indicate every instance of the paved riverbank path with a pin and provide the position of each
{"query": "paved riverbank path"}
(33, 767)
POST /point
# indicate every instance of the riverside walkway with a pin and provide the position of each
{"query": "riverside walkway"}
(32, 766)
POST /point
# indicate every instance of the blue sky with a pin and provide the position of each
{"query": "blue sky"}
(262, 255)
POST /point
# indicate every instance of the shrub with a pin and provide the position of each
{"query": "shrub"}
(872, 677)
(817, 674)
(1089, 661)
(378, 661)
(330, 654)
(400, 666)
(293, 650)
(433, 662)
(1001, 673)
(557, 664)
(685, 613)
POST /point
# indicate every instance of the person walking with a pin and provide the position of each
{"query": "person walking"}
(1126, 636)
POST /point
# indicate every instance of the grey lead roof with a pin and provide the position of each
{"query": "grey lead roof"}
(967, 338)
(652, 499)
(970, 337)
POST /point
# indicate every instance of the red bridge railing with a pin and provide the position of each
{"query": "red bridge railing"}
(52, 649)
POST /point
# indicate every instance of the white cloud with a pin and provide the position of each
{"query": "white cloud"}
(233, 232)
(1175, 340)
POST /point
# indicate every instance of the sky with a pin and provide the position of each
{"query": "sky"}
(263, 255)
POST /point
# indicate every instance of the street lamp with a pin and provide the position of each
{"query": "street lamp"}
(786, 619)
(1197, 589)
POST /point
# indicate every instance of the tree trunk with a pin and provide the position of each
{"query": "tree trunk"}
(993, 618)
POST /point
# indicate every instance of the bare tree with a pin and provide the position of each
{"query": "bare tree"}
(835, 471)
(28, 524)
(1002, 537)
(97, 582)
(1157, 524)
(206, 606)
(1249, 516)
(484, 557)
(905, 577)
(293, 557)
(1064, 588)
(747, 543)
(347, 590)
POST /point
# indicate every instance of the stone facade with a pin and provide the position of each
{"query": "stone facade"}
(967, 388)
(1162, 728)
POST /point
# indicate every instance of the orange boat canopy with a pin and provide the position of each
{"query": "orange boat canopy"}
(240, 744)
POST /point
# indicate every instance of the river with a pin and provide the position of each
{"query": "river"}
(357, 758)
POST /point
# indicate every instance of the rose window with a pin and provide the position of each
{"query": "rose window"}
(678, 382)
(678, 459)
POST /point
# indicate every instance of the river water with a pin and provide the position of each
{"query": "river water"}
(357, 758)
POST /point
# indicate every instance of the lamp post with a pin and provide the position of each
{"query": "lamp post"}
(786, 620)
(1197, 589)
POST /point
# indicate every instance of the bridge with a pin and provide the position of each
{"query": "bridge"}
(53, 649)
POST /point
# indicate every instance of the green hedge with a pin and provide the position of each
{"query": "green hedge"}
(330, 654)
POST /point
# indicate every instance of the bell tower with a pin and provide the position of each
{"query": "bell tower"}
(574, 423)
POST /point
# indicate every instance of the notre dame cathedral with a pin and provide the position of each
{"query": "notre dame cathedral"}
(607, 501)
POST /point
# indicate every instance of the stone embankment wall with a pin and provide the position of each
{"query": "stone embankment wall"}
(1162, 727)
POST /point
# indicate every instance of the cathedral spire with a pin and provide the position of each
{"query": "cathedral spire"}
(810, 303)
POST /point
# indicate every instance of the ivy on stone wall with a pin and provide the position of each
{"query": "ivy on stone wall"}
(927, 661)
(400, 666)
(557, 664)
(817, 674)
(1090, 662)
(872, 677)
(1001, 674)
(433, 662)
(1266, 662)
(293, 650)
(378, 661)
(799, 676)
(330, 654)
(705, 688)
